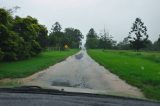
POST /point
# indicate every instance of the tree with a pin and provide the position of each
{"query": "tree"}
(31, 32)
(8, 39)
(138, 35)
(73, 37)
(56, 37)
(106, 41)
(42, 36)
(92, 39)
(124, 45)
(9, 43)
(77, 38)
(92, 34)
(26, 28)
(56, 27)
(156, 44)
(70, 35)
(20, 38)
(5, 17)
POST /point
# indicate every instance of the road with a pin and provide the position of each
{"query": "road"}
(81, 72)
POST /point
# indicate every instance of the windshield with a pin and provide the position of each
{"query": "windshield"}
(109, 47)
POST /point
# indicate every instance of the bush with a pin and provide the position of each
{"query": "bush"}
(20, 38)
(36, 48)
(10, 56)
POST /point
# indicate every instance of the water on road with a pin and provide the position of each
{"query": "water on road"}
(80, 71)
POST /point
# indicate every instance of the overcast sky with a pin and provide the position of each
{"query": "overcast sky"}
(116, 15)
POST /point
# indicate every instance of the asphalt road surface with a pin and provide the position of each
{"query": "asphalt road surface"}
(81, 72)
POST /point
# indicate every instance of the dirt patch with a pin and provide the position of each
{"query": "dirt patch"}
(19, 81)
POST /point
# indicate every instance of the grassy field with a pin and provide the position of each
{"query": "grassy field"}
(28, 67)
(140, 69)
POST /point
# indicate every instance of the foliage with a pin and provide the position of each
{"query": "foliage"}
(20, 38)
(58, 39)
(73, 36)
(105, 40)
(138, 35)
(148, 45)
(156, 44)
(42, 36)
(1, 55)
(92, 39)
(124, 45)
(56, 27)
(56, 36)
(5, 17)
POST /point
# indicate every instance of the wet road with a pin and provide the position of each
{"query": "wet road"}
(80, 71)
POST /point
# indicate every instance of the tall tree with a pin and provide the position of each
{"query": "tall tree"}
(138, 35)
(74, 37)
(106, 41)
(42, 33)
(92, 33)
(70, 35)
(77, 38)
(56, 27)
(56, 37)
(92, 39)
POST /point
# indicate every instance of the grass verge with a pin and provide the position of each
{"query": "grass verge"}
(140, 69)
(20, 69)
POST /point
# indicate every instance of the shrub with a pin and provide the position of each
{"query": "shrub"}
(10, 56)
(36, 48)
(20, 38)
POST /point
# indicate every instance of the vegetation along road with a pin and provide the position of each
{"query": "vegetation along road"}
(141, 69)
(27, 67)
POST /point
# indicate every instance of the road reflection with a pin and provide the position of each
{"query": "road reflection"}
(79, 56)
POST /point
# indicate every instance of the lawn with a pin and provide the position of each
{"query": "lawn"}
(20, 69)
(141, 69)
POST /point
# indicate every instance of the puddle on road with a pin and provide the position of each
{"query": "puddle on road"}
(62, 83)
(57, 83)
(68, 84)
(79, 56)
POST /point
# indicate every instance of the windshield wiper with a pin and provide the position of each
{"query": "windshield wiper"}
(31, 89)
(40, 90)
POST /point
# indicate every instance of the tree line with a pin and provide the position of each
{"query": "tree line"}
(22, 38)
(70, 37)
(102, 41)
(138, 39)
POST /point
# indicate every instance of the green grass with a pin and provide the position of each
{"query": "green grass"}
(140, 69)
(28, 67)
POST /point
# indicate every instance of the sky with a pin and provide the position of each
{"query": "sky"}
(116, 16)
